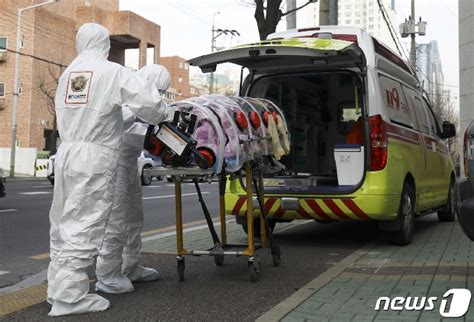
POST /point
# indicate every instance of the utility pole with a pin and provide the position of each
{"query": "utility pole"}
(17, 81)
(290, 18)
(213, 46)
(215, 34)
(409, 28)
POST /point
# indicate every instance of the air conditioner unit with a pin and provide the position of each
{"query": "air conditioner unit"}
(3, 56)
(3, 103)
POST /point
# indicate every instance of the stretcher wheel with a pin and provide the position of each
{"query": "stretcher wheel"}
(181, 267)
(276, 260)
(254, 270)
(219, 260)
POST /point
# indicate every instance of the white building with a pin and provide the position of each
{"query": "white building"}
(363, 13)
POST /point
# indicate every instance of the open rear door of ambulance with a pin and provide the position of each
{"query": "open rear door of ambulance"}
(279, 55)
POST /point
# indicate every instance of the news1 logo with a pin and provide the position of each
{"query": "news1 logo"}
(457, 298)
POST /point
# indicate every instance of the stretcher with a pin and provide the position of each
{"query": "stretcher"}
(221, 136)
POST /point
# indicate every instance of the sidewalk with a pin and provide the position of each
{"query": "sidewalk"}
(439, 259)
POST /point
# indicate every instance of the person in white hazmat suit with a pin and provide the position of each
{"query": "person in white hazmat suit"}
(89, 100)
(118, 264)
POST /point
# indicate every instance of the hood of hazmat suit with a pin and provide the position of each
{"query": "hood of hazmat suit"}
(89, 100)
(118, 263)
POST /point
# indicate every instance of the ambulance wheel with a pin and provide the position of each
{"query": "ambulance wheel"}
(181, 267)
(219, 260)
(146, 179)
(448, 213)
(406, 216)
(254, 270)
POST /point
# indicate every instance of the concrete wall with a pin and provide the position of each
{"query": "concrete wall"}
(466, 67)
(25, 160)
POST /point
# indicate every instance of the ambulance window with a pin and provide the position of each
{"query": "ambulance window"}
(421, 117)
(434, 127)
(412, 106)
(395, 102)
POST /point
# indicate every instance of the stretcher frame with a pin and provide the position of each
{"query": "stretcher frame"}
(253, 179)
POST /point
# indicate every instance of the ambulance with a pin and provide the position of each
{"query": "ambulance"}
(365, 144)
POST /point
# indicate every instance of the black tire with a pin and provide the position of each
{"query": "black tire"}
(449, 212)
(219, 260)
(169, 179)
(254, 271)
(256, 226)
(181, 268)
(51, 180)
(406, 218)
(146, 180)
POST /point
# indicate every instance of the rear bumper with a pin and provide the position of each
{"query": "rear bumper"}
(327, 208)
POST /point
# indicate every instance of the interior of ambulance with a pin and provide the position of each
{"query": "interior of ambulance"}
(324, 112)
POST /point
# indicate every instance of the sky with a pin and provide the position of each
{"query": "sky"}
(186, 26)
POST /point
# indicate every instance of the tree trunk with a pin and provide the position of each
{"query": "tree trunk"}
(267, 23)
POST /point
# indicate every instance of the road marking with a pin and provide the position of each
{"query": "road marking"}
(8, 210)
(35, 193)
(148, 187)
(42, 187)
(172, 196)
(169, 185)
(4, 273)
(40, 256)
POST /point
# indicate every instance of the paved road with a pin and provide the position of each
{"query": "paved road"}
(24, 222)
(211, 293)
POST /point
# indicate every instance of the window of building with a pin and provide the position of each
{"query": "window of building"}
(186, 66)
(2, 89)
(3, 43)
(371, 26)
(348, 14)
(357, 22)
(180, 64)
(357, 13)
(348, 6)
(348, 21)
(356, 6)
(179, 92)
(371, 3)
(180, 79)
(371, 11)
(192, 90)
(371, 19)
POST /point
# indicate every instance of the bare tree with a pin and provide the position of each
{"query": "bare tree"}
(268, 13)
(48, 85)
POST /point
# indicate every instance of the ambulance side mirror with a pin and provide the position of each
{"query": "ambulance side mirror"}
(449, 130)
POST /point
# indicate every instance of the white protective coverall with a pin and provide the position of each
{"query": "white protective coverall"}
(89, 100)
(118, 263)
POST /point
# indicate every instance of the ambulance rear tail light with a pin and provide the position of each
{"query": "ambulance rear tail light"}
(378, 143)
(466, 154)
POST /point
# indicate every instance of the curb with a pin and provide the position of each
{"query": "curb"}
(283, 308)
